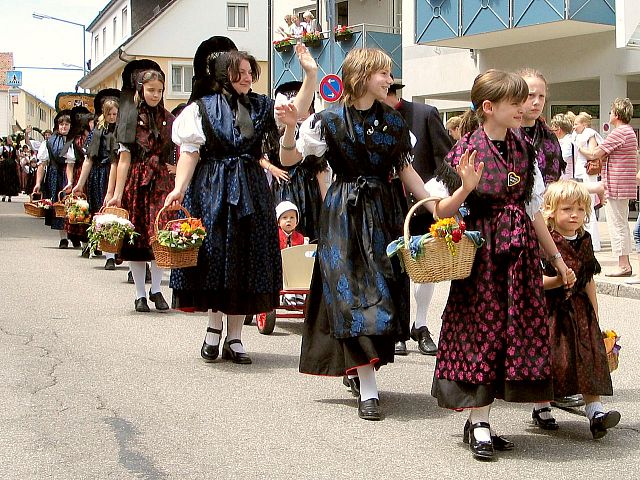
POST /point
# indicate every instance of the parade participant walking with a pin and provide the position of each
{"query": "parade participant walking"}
(58, 170)
(619, 156)
(143, 181)
(494, 338)
(359, 301)
(431, 147)
(222, 135)
(101, 154)
(578, 355)
(535, 130)
(9, 179)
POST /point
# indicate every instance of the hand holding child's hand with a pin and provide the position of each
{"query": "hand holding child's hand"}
(469, 173)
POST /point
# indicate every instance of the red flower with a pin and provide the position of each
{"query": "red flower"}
(456, 235)
(462, 226)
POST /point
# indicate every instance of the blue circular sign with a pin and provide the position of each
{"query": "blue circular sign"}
(331, 88)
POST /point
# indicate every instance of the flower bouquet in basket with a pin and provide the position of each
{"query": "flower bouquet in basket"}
(177, 244)
(610, 338)
(37, 208)
(78, 211)
(446, 252)
(108, 231)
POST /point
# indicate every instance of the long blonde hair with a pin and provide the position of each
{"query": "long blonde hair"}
(107, 106)
(357, 68)
(567, 191)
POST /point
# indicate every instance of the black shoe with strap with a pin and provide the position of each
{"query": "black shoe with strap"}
(64, 243)
(110, 264)
(499, 442)
(141, 305)
(480, 449)
(401, 348)
(235, 357)
(210, 352)
(158, 300)
(426, 344)
(601, 422)
(545, 424)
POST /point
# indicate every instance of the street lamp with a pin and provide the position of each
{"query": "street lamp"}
(40, 16)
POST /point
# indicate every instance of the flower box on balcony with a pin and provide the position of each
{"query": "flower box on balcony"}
(284, 45)
(312, 39)
(343, 33)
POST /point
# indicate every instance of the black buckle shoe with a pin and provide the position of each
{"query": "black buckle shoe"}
(426, 345)
(479, 449)
(130, 277)
(235, 357)
(110, 264)
(353, 384)
(369, 409)
(601, 422)
(158, 300)
(210, 352)
(64, 243)
(401, 348)
(141, 305)
(499, 443)
(548, 424)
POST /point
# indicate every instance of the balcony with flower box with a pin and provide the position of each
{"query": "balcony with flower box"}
(286, 68)
(481, 24)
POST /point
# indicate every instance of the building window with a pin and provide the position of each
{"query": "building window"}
(104, 41)
(237, 16)
(125, 21)
(115, 29)
(43, 115)
(96, 44)
(181, 75)
(342, 13)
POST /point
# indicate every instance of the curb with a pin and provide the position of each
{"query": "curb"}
(617, 290)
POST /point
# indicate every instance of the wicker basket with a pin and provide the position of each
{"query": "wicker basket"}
(612, 357)
(437, 264)
(33, 209)
(69, 200)
(168, 257)
(60, 207)
(104, 245)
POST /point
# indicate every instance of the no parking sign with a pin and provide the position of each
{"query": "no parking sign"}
(331, 88)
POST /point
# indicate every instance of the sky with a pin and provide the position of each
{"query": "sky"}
(47, 43)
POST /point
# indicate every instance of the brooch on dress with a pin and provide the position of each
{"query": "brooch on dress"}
(513, 179)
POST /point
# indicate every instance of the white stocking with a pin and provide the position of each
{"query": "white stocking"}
(156, 276)
(138, 270)
(422, 293)
(234, 330)
(368, 387)
(215, 322)
(480, 414)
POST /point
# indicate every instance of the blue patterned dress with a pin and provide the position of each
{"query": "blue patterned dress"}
(359, 301)
(239, 267)
(102, 151)
(55, 179)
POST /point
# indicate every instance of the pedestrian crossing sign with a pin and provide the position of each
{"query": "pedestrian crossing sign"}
(14, 78)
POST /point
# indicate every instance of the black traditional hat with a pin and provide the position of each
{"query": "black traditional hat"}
(394, 87)
(80, 118)
(204, 82)
(102, 96)
(289, 89)
(62, 113)
(133, 69)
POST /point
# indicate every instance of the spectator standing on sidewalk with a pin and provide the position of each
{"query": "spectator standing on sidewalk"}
(619, 154)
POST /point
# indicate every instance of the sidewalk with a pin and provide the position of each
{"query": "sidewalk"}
(614, 286)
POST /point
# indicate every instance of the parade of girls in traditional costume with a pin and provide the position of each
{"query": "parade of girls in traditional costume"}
(522, 327)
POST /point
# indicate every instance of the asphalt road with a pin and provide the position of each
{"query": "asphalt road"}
(90, 389)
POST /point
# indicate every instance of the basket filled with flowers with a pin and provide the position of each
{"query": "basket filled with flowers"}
(343, 33)
(60, 207)
(446, 252)
(284, 44)
(78, 209)
(178, 243)
(610, 338)
(312, 39)
(109, 229)
(37, 208)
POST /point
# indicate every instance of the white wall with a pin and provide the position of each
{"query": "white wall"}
(107, 23)
(5, 113)
(179, 31)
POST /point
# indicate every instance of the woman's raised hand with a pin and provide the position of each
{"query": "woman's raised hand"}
(174, 199)
(307, 62)
(287, 114)
(468, 171)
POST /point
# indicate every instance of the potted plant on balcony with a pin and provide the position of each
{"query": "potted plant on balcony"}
(343, 33)
(284, 44)
(312, 39)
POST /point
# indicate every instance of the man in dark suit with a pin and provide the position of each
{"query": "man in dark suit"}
(432, 146)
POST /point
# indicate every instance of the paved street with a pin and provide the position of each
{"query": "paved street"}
(92, 389)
